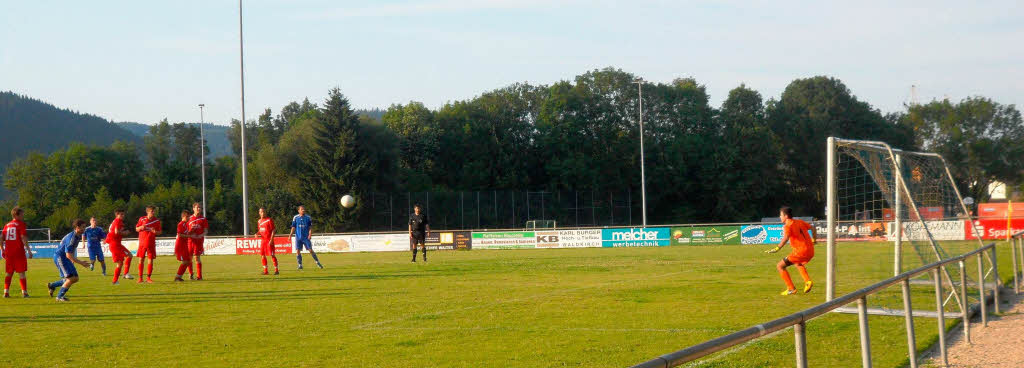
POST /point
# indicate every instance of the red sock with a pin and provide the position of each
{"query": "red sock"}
(7, 282)
(199, 269)
(127, 266)
(190, 272)
(181, 269)
(275, 262)
(141, 264)
(24, 284)
(264, 261)
(149, 269)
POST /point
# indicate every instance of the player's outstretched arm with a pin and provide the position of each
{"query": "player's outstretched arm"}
(74, 258)
(785, 238)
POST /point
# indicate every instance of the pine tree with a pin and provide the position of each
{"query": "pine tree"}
(336, 165)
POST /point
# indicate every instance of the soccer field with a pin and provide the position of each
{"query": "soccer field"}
(600, 307)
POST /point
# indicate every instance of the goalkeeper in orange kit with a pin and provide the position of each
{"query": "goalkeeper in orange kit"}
(800, 236)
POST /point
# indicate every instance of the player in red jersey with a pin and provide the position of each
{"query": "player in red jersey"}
(181, 246)
(148, 228)
(800, 236)
(266, 232)
(121, 256)
(15, 245)
(197, 227)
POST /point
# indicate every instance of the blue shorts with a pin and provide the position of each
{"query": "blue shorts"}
(300, 241)
(95, 253)
(65, 267)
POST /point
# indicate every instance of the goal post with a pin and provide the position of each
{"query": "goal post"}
(910, 195)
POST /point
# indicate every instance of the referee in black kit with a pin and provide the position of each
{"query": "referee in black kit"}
(419, 227)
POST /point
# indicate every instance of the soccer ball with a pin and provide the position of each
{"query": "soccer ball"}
(348, 201)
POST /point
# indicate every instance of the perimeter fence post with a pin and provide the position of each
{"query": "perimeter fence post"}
(865, 335)
(941, 316)
(801, 344)
(963, 301)
(908, 314)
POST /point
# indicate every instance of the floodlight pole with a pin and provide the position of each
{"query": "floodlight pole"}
(831, 212)
(202, 155)
(643, 177)
(245, 186)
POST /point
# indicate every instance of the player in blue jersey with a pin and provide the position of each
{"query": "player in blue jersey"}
(302, 227)
(93, 236)
(65, 259)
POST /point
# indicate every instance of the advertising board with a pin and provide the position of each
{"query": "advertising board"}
(940, 230)
(706, 235)
(636, 237)
(590, 238)
(282, 244)
(381, 242)
(761, 234)
(992, 229)
(504, 240)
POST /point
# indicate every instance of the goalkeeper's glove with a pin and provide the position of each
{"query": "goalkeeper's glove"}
(773, 250)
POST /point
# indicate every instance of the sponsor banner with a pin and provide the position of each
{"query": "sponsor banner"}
(988, 211)
(636, 237)
(505, 240)
(381, 242)
(282, 244)
(448, 239)
(847, 231)
(706, 235)
(761, 234)
(578, 238)
(218, 246)
(928, 213)
(992, 229)
(47, 249)
(463, 240)
(164, 247)
(915, 230)
(332, 243)
(547, 239)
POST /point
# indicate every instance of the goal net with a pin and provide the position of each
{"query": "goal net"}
(894, 211)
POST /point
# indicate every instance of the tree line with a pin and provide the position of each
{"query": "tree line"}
(736, 162)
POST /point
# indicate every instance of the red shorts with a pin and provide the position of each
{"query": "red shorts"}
(181, 252)
(195, 246)
(147, 251)
(118, 252)
(16, 264)
(267, 247)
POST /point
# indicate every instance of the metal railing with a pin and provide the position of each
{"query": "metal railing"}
(798, 320)
(1017, 253)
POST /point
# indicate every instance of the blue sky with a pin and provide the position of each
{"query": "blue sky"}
(146, 60)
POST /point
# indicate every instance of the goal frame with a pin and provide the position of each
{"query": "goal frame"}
(900, 187)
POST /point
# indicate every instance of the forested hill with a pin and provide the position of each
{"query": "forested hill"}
(32, 125)
(216, 136)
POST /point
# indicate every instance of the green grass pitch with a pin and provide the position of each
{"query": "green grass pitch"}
(515, 308)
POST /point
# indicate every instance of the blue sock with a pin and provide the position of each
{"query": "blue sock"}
(104, 267)
(317, 260)
(63, 291)
(299, 257)
(56, 284)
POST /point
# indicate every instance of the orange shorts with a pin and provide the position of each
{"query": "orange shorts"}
(794, 259)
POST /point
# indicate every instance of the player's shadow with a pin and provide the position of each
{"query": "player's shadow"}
(78, 318)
